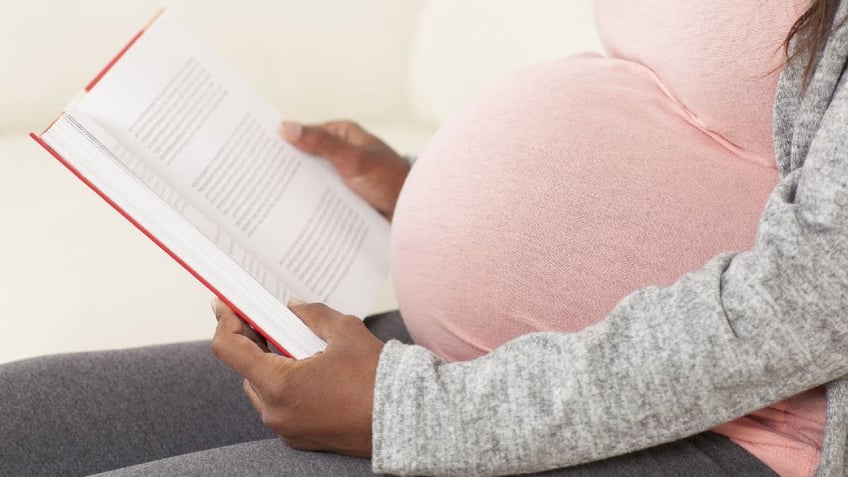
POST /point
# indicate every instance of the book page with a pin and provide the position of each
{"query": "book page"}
(106, 166)
(199, 129)
(197, 218)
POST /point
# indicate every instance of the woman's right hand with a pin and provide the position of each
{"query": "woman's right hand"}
(366, 164)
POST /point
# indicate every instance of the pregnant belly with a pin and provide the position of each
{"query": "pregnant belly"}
(553, 195)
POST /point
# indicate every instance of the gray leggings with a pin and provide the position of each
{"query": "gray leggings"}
(175, 410)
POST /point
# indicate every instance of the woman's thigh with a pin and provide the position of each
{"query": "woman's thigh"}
(174, 409)
(90, 412)
(266, 457)
(82, 413)
(703, 455)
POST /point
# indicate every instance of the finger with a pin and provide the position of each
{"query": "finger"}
(317, 140)
(253, 396)
(235, 349)
(320, 318)
(221, 309)
(350, 132)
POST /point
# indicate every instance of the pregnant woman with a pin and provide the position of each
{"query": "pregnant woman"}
(564, 261)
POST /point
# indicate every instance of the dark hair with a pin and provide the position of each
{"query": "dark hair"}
(810, 33)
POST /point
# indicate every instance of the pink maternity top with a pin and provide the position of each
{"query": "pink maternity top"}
(567, 185)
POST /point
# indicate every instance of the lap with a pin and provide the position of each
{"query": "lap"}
(88, 412)
(704, 455)
(266, 457)
(81, 413)
(174, 409)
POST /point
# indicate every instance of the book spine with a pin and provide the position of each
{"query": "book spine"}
(161, 245)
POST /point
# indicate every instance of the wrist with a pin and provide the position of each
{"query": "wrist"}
(394, 189)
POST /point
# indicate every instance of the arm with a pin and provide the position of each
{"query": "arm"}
(745, 331)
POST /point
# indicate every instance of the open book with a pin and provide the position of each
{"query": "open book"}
(180, 144)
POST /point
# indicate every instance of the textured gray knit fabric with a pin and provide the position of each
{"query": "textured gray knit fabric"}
(747, 330)
(269, 457)
(83, 413)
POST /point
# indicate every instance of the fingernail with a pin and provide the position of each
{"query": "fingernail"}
(213, 304)
(295, 302)
(291, 130)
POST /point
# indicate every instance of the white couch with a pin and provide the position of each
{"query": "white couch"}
(76, 276)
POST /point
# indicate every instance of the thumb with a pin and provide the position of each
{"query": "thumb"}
(316, 140)
(320, 318)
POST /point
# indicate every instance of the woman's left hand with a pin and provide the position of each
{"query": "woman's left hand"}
(320, 403)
